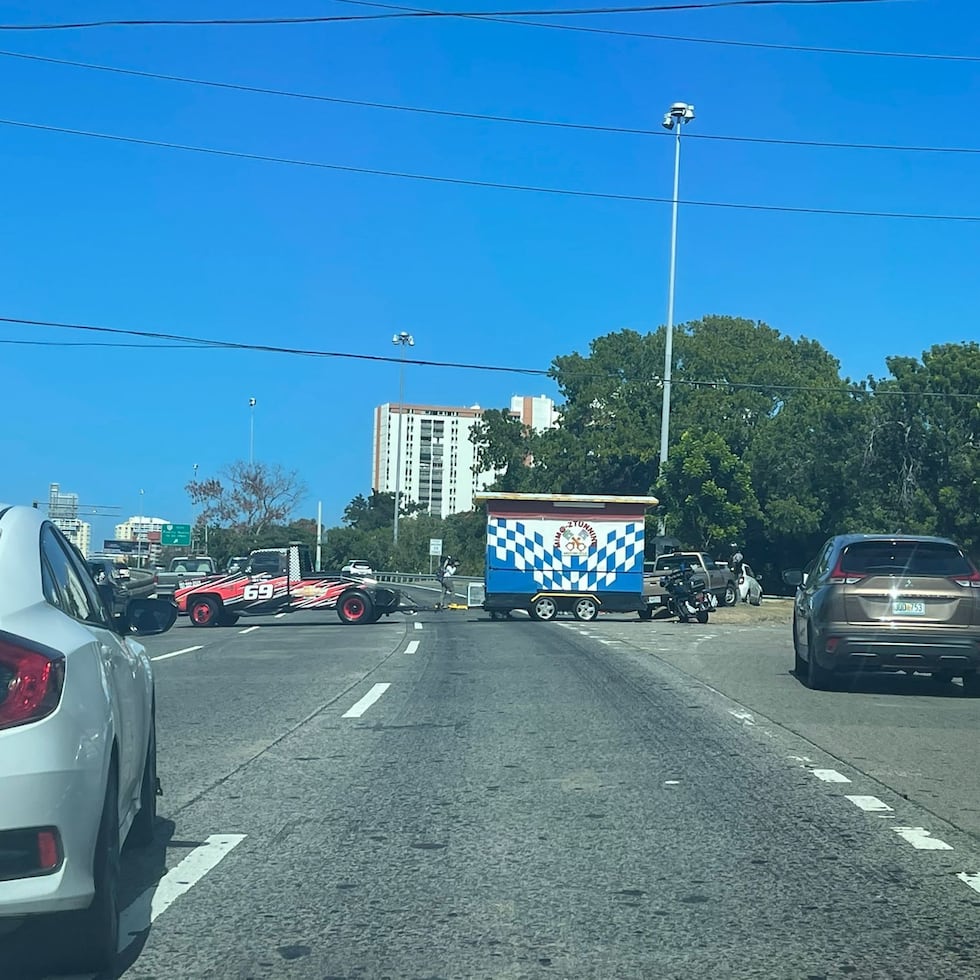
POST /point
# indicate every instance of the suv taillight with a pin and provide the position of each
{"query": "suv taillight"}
(31, 680)
(971, 581)
(838, 577)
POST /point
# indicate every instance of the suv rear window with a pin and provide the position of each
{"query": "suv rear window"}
(904, 558)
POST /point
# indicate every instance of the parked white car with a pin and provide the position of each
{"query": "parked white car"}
(77, 740)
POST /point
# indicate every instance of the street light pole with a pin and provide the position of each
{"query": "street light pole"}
(251, 429)
(401, 340)
(675, 118)
(139, 536)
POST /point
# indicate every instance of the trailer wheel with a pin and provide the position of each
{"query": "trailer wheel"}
(585, 609)
(355, 607)
(544, 609)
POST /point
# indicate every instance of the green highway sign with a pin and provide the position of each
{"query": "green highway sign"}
(176, 534)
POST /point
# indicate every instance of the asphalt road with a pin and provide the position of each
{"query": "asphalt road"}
(477, 799)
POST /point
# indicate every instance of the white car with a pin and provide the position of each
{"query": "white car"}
(77, 740)
(357, 567)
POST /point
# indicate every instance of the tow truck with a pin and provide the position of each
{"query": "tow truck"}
(277, 580)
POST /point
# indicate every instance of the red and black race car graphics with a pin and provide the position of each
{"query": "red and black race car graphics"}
(219, 602)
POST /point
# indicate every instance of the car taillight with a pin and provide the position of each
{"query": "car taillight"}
(839, 577)
(31, 681)
(971, 581)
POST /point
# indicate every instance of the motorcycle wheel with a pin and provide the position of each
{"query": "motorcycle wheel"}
(703, 616)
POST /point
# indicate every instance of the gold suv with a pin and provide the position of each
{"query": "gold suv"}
(870, 602)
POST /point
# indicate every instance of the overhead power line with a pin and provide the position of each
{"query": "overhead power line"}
(764, 45)
(478, 116)
(488, 184)
(411, 13)
(181, 340)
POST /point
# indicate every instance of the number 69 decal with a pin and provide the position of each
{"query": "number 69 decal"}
(263, 590)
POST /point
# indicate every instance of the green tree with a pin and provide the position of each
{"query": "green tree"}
(708, 492)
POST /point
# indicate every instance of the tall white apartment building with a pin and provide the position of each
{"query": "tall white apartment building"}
(437, 457)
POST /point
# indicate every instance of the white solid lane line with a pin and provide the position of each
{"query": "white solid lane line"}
(830, 775)
(418, 626)
(176, 653)
(413, 647)
(249, 629)
(921, 839)
(870, 804)
(139, 916)
(358, 709)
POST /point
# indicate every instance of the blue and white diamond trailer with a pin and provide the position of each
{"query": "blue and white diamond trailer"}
(574, 553)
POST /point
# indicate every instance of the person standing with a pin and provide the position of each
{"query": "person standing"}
(447, 569)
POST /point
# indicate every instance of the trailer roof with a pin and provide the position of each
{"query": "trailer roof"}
(570, 498)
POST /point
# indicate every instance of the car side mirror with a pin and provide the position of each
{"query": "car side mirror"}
(793, 576)
(147, 617)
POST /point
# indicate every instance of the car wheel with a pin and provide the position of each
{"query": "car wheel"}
(544, 609)
(971, 683)
(355, 607)
(729, 597)
(92, 935)
(585, 609)
(227, 618)
(646, 613)
(799, 664)
(818, 678)
(144, 823)
(204, 612)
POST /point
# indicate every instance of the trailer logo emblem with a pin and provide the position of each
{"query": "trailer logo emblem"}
(575, 538)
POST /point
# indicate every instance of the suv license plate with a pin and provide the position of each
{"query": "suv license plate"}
(902, 608)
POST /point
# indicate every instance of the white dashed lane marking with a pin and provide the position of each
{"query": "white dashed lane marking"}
(139, 916)
(921, 839)
(176, 653)
(279, 615)
(358, 709)
(830, 775)
(870, 804)
(249, 629)
(418, 626)
(973, 880)
(413, 647)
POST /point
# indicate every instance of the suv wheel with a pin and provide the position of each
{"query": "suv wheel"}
(818, 678)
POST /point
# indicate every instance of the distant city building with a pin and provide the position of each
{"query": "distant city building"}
(63, 513)
(437, 457)
(143, 529)
(537, 411)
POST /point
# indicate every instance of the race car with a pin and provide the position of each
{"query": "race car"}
(279, 580)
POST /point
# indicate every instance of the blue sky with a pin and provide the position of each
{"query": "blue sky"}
(154, 239)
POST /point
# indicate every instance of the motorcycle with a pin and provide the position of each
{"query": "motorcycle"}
(687, 596)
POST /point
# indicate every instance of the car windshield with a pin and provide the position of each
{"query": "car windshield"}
(904, 558)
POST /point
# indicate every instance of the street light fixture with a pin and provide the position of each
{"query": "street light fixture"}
(401, 341)
(676, 117)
